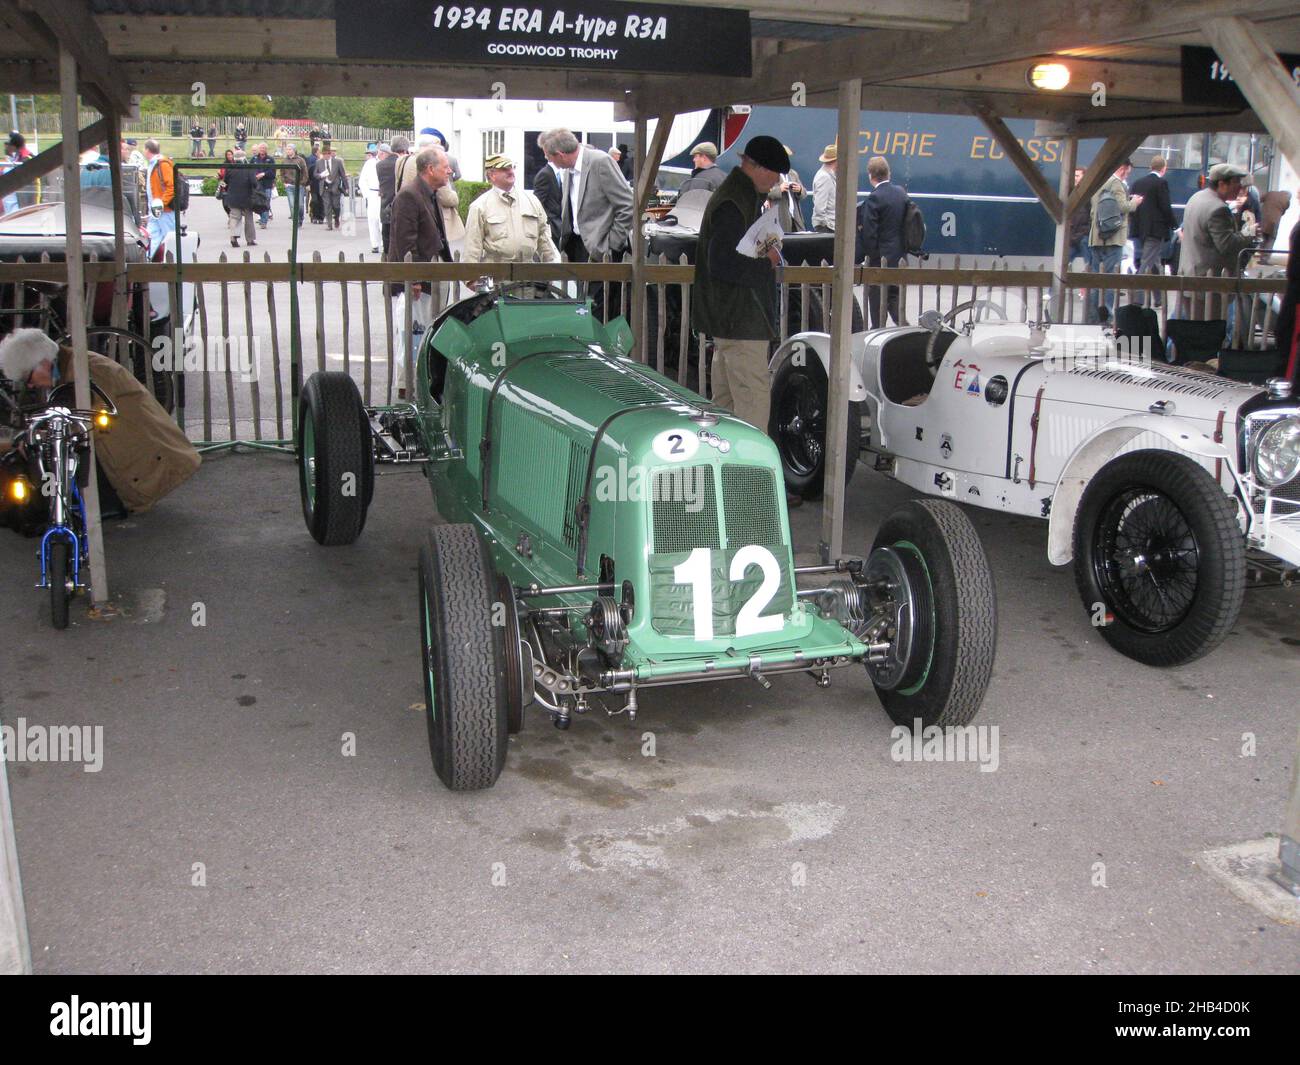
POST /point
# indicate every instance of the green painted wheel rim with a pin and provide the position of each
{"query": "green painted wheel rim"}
(309, 462)
(929, 658)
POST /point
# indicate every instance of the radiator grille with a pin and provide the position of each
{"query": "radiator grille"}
(683, 524)
(749, 506)
(1286, 500)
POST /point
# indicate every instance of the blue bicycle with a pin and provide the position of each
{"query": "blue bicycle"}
(55, 439)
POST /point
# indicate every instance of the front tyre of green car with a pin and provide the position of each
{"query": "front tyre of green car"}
(464, 661)
(944, 633)
(336, 458)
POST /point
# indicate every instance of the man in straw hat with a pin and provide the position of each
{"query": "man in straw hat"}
(823, 217)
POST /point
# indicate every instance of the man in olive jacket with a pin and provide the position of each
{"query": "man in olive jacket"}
(735, 297)
(1108, 245)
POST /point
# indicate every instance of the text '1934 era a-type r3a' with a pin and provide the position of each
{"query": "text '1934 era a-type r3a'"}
(608, 531)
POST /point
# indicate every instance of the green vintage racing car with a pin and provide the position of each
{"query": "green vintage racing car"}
(607, 531)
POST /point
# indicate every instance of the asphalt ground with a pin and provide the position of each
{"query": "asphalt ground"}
(228, 830)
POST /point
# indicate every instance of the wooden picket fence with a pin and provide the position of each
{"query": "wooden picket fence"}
(349, 321)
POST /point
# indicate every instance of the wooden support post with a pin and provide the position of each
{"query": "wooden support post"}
(1289, 844)
(647, 168)
(119, 240)
(1265, 83)
(77, 318)
(639, 171)
(837, 410)
(1061, 254)
(15, 948)
(1051, 203)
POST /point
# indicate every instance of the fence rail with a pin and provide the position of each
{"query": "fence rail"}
(349, 322)
(50, 124)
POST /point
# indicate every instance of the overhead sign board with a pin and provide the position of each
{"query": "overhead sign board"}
(1207, 80)
(581, 35)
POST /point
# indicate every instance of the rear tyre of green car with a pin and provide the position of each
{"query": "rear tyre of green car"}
(336, 459)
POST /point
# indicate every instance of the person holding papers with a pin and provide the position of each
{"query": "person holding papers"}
(735, 294)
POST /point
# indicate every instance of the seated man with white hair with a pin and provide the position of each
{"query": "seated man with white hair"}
(146, 455)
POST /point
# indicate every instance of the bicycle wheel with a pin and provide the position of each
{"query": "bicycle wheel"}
(134, 352)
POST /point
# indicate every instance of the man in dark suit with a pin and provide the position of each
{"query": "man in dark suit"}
(880, 233)
(332, 180)
(1152, 222)
(546, 187)
(385, 172)
(417, 227)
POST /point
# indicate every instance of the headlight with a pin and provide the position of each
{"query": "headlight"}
(1277, 453)
(19, 490)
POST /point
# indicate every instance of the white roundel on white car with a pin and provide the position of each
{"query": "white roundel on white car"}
(675, 445)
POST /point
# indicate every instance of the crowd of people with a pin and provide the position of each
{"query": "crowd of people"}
(581, 208)
(314, 186)
(1222, 224)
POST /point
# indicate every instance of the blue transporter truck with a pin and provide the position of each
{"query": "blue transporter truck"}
(974, 200)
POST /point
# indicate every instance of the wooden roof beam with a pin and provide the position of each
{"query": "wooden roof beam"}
(336, 78)
(1000, 31)
(1020, 160)
(1113, 152)
(69, 23)
(51, 159)
(1265, 83)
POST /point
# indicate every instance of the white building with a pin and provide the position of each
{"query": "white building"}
(476, 129)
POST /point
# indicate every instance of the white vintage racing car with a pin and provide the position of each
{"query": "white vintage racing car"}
(1155, 480)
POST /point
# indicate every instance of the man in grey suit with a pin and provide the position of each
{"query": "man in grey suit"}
(332, 180)
(596, 206)
(1212, 240)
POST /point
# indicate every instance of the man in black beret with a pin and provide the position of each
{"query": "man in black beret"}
(735, 296)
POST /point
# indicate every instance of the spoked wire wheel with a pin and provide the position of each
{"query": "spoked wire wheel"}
(1159, 557)
(801, 422)
(798, 421)
(1147, 559)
